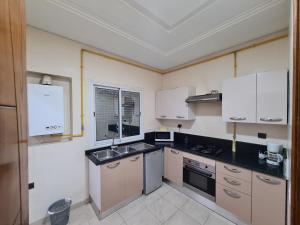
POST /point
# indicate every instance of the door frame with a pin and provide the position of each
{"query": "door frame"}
(295, 178)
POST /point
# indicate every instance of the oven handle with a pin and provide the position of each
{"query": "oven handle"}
(209, 175)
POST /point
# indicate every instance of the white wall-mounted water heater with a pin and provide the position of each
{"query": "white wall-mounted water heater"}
(45, 109)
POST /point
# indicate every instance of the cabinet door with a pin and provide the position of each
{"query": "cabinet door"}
(239, 99)
(9, 166)
(162, 104)
(133, 176)
(112, 184)
(272, 97)
(7, 86)
(180, 110)
(268, 200)
(173, 165)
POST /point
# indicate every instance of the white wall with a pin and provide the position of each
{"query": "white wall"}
(60, 169)
(210, 75)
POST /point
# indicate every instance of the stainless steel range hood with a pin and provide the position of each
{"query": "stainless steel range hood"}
(214, 96)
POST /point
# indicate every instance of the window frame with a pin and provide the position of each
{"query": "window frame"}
(120, 140)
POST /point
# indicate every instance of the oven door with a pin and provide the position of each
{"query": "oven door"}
(202, 182)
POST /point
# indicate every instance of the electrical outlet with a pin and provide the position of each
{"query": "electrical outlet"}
(31, 185)
(262, 135)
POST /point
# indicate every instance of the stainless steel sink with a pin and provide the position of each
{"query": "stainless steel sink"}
(125, 149)
(105, 154)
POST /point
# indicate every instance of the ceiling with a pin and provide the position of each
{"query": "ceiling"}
(160, 33)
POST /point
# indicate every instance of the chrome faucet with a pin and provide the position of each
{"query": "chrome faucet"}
(113, 146)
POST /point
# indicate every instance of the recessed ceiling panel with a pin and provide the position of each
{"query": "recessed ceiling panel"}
(169, 13)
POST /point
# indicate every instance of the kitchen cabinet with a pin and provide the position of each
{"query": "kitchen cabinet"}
(239, 99)
(170, 104)
(257, 98)
(272, 97)
(268, 200)
(112, 184)
(233, 190)
(234, 201)
(134, 176)
(173, 165)
(120, 180)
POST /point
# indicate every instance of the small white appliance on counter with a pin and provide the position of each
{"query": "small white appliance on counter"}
(164, 136)
(45, 109)
(274, 154)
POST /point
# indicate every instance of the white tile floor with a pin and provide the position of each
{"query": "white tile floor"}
(165, 206)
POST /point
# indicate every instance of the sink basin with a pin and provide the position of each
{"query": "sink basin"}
(125, 149)
(105, 154)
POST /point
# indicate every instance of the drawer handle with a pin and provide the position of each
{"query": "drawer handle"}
(268, 119)
(135, 159)
(162, 116)
(174, 152)
(113, 166)
(238, 118)
(233, 170)
(231, 194)
(180, 117)
(268, 180)
(232, 182)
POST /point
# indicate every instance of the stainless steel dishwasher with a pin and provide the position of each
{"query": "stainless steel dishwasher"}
(153, 168)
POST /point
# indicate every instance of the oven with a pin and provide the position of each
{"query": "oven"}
(200, 177)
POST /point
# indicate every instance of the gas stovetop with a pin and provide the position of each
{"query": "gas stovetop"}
(207, 149)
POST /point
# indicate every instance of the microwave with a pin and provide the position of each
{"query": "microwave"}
(164, 136)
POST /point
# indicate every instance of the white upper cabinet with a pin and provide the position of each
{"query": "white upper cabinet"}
(170, 104)
(272, 97)
(256, 98)
(239, 99)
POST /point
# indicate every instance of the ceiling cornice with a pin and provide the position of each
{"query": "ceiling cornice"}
(72, 8)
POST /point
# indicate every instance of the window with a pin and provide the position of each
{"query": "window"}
(117, 115)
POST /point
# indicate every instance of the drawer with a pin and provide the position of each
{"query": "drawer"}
(234, 171)
(234, 183)
(234, 202)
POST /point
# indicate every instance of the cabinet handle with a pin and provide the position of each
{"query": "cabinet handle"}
(237, 118)
(231, 194)
(232, 182)
(233, 170)
(268, 119)
(135, 159)
(113, 166)
(162, 116)
(268, 180)
(180, 117)
(174, 152)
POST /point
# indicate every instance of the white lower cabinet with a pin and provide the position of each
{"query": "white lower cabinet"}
(255, 198)
(120, 181)
(234, 201)
(173, 165)
(268, 200)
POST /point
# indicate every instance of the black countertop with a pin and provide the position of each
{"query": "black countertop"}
(242, 158)
(246, 155)
(89, 154)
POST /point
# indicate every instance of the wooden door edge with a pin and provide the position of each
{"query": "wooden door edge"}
(295, 167)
